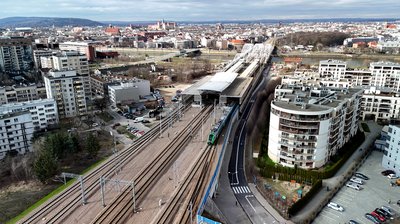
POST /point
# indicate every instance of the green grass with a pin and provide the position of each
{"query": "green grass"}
(365, 127)
(41, 201)
(105, 116)
(53, 193)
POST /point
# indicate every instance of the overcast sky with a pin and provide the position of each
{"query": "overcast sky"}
(201, 10)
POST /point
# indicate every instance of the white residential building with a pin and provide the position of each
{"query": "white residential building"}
(37, 54)
(16, 132)
(67, 60)
(391, 157)
(385, 74)
(309, 123)
(69, 91)
(380, 104)
(334, 69)
(43, 112)
(87, 48)
(22, 93)
(129, 92)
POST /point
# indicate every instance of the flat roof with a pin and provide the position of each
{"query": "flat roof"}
(219, 82)
(238, 87)
(193, 89)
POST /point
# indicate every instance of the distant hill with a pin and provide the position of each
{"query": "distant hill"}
(46, 22)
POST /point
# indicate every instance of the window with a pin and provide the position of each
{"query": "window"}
(16, 120)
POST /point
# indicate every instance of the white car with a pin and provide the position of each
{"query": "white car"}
(392, 176)
(354, 186)
(335, 206)
(357, 180)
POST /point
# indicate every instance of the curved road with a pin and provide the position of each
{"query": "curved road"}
(254, 210)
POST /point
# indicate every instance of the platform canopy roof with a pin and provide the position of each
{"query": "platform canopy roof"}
(219, 82)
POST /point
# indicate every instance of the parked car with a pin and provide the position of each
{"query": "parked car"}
(335, 206)
(145, 121)
(387, 209)
(95, 124)
(392, 176)
(372, 218)
(138, 119)
(354, 186)
(353, 222)
(387, 172)
(362, 176)
(116, 125)
(383, 213)
(357, 180)
(378, 216)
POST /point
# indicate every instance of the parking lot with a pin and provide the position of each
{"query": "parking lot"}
(377, 192)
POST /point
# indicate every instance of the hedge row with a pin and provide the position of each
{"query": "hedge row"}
(300, 175)
(304, 200)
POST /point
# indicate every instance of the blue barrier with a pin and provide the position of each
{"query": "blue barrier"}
(215, 175)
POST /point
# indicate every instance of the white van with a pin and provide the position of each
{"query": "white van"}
(357, 180)
(138, 119)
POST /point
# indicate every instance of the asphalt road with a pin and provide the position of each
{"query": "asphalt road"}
(252, 207)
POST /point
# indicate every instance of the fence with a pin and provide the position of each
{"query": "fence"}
(214, 180)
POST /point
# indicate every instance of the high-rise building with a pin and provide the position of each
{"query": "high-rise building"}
(391, 153)
(385, 74)
(15, 54)
(21, 93)
(86, 48)
(332, 68)
(309, 123)
(43, 112)
(16, 132)
(37, 54)
(66, 60)
(69, 91)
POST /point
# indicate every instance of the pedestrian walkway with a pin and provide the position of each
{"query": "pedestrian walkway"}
(241, 190)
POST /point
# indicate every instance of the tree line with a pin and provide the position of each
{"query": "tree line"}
(59, 146)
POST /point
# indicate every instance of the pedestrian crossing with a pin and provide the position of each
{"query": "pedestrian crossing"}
(241, 190)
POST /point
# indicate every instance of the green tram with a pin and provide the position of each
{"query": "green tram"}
(219, 126)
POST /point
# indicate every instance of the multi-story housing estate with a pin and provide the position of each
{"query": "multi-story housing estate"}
(43, 112)
(69, 91)
(21, 93)
(37, 54)
(385, 74)
(67, 60)
(15, 54)
(129, 92)
(381, 83)
(332, 69)
(309, 122)
(16, 132)
(86, 48)
(391, 153)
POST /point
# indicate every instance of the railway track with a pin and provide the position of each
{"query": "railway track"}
(187, 194)
(122, 205)
(108, 168)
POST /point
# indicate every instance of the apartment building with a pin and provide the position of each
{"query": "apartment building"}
(86, 48)
(66, 60)
(391, 153)
(129, 92)
(334, 69)
(309, 122)
(69, 90)
(37, 54)
(385, 74)
(22, 93)
(16, 132)
(43, 112)
(380, 104)
(15, 54)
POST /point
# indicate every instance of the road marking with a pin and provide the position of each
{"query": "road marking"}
(237, 155)
(247, 199)
(241, 190)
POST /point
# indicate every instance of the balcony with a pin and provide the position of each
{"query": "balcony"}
(287, 158)
(298, 138)
(297, 125)
(297, 131)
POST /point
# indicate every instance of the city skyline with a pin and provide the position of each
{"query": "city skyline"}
(194, 10)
